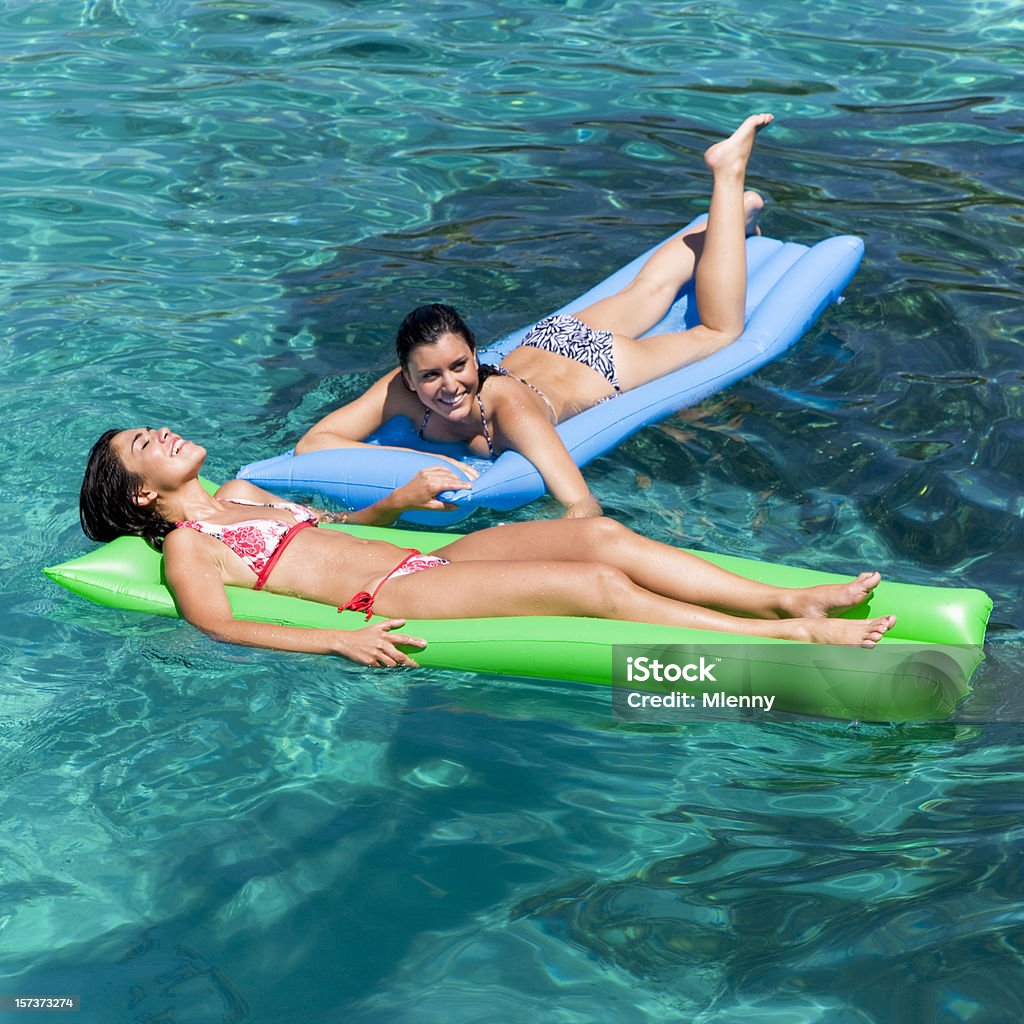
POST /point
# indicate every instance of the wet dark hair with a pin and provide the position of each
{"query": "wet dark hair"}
(106, 504)
(425, 325)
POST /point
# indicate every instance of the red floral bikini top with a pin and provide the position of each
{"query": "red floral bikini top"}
(258, 542)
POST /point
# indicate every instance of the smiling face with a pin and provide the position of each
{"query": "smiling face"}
(445, 377)
(164, 460)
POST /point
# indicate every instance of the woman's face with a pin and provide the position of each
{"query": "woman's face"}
(444, 377)
(162, 458)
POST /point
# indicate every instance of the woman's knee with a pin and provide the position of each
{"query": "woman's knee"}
(609, 590)
(600, 531)
(605, 538)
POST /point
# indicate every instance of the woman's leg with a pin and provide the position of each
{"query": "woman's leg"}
(646, 299)
(485, 589)
(658, 568)
(721, 276)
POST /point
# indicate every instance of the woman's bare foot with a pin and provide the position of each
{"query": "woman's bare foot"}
(753, 204)
(818, 602)
(731, 154)
(851, 632)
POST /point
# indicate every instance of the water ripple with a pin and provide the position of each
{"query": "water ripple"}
(215, 214)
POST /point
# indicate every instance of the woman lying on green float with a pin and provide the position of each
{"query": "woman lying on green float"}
(145, 482)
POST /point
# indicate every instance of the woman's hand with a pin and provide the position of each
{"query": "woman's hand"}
(422, 490)
(585, 508)
(376, 645)
(419, 493)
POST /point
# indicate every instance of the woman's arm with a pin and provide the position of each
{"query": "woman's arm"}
(521, 425)
(195, 581)
(348, 426)
(419, 493)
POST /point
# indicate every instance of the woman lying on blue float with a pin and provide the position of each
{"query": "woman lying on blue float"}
(566, 364)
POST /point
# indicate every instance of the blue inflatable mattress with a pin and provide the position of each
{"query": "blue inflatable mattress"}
(788, 287)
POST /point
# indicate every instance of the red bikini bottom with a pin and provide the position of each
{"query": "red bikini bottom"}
(415, 561)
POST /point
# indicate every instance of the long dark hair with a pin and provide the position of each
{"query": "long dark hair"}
(106, 504)
(425, 325)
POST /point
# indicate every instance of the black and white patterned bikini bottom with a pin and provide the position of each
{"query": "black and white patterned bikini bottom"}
(566, 336)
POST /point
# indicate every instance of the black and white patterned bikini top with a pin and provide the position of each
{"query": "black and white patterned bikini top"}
(487, 370)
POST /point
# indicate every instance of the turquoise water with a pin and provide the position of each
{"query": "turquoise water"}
(214, 214)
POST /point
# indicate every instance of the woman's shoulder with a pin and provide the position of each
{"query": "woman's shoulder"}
(243, 489)
(183, 544)
(496, 380)
(397, 399)
(388, 391)
(193, 564)
(192, 558)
